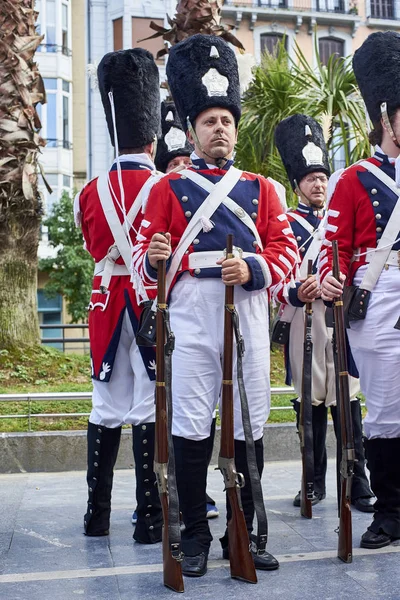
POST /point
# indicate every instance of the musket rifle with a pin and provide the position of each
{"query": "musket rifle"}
(305, 419)
(240, 558)
(346, 438)
(164, 466)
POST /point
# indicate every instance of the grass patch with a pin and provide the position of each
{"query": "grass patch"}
(44, 369)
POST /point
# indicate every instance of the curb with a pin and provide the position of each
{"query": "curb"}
(66, 451)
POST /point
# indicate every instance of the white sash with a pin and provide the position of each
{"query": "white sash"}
(237, 210)
(217, 195)
(392, 228)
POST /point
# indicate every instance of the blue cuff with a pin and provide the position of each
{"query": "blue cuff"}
(257, 281)
(153, 272)
(293, 296)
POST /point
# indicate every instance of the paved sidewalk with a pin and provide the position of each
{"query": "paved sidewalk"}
(44, 555)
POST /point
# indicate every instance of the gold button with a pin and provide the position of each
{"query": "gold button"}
(184, 198)
(188, 213)
(378, 216)
(374, 191)
(254, 201)
(375, 203)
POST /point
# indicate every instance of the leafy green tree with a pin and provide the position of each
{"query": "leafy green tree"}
(71, 271)
(282, 87)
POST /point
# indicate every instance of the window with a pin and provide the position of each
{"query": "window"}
(117, 34)
(56, 114)
(64, 29)
(141, 29)
(50, 312)
(51, 26)
(51, 121)
(382, 9)
(269, 41)
(328, 46)
(66, 181)
(66, 140)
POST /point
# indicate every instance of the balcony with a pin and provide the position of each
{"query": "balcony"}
(328, 12)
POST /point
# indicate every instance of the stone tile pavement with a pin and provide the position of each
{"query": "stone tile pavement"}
(44, 555)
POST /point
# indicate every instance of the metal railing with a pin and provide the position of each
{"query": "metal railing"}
(74, 396)
(65, 340)
(320, 6)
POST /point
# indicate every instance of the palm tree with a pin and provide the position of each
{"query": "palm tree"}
(282, 87)
(21, 88)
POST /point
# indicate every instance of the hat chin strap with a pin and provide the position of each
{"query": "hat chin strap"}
(218, 161)
(386, 122)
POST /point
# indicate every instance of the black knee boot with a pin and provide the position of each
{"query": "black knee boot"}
(191, 478)
(210, 448)
(148, 528)
(103, 445)
(384, 466)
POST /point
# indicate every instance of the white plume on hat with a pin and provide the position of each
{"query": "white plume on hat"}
(245, 62)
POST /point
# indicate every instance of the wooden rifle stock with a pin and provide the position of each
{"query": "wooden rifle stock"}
(345, 549)
(172, 570)
(240, 558)
(305, 419)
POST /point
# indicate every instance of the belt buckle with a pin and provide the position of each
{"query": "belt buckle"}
(238, 252)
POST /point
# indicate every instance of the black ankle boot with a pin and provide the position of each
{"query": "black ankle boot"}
(103, 445)
(149, 524)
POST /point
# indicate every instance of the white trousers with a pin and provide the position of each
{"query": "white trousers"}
(323, 369)
(375, 345)
(129, 395)
(197, 320)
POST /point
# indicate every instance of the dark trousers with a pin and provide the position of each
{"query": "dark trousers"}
(191, 461)
(383, 459)
(360, 486)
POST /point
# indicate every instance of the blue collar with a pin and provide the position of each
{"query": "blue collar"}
(128, 165)
(200, 164)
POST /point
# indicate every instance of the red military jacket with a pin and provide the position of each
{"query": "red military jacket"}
(106, 310)
(358, 212)
(175, 199)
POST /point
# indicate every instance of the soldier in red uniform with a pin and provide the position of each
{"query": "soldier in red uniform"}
(109, 211)
(302, 147)
(364, 217)
(203, 77)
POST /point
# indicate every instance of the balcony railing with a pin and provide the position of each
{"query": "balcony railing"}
(53, 48)
(53, 143)
(330, 6)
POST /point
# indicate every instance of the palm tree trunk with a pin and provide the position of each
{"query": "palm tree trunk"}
(21, 88)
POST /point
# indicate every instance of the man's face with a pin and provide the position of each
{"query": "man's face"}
(177, 162)
(313, 188)
(216, 132)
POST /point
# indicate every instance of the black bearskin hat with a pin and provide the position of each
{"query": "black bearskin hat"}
(132, 76)
(300, 142)
(202, 73)
(376, 66)
(173, 141)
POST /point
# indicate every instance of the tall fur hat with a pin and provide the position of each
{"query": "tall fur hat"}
(376, 66)
(300, 142)
(132, 76)
(202, 73)
(173, 141)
